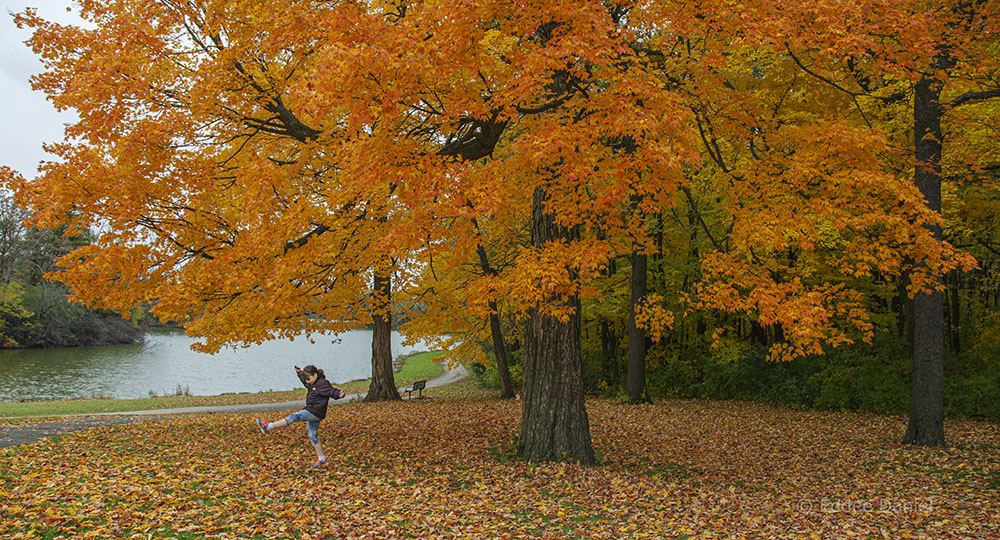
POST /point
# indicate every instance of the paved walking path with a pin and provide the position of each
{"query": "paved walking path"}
(30, 432)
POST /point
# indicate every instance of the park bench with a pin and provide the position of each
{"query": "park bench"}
(417, 387)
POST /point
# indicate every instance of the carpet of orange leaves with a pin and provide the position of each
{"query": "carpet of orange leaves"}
(437, 468)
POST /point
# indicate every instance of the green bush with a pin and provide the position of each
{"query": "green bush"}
(975, 396)
(973, 383)
(868, 378)
(488, 377)
(862, 377)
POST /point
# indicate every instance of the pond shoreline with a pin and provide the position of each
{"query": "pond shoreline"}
(417, 366)
(165, 365)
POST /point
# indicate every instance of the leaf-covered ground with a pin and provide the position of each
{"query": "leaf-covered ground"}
(437, 468)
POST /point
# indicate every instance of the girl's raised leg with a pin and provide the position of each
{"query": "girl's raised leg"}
(265, 428)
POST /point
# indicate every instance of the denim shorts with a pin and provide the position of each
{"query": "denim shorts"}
(312, 423)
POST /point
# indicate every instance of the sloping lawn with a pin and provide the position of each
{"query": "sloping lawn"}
(440, 468)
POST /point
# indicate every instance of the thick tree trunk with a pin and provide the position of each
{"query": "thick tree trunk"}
(506, 388)
(635, 379)
(926, 426)
(383, 385)
(554, 423)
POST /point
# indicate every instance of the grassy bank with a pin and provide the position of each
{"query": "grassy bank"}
(416, 367)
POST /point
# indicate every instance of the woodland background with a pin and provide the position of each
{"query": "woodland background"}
(692, 360)
(35, 311)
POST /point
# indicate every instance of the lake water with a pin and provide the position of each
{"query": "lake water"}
(166, 361)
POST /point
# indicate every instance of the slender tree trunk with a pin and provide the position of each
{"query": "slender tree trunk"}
(635, 379)
(609, 350)
(758, 334)
(993, 292)
(898, 307)
(610, 369)
(926, 426)
(778, 332)
(383, 385)
(503, 369)
(900, 303)
(554, 422)
(506, 388)
(690, 278)
(955, 317)
(906, 307)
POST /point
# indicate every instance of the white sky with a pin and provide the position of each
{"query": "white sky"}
(28, 118)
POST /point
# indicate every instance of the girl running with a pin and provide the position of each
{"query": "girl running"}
(320, 393)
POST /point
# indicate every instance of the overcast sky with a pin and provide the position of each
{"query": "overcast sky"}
(28, 118)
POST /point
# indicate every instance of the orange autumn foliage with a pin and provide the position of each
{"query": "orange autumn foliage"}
(250, 165)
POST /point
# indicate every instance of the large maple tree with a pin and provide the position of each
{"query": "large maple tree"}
(264, 169)
(254, 167)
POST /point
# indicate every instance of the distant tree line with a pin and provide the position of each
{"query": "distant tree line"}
(36, 312)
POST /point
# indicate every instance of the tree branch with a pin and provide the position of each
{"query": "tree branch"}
(969, 97)
(988, 246)
(294, 244)
(704, 226)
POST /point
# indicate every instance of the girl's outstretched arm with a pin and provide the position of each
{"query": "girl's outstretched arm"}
(325, 389)
(302, 376)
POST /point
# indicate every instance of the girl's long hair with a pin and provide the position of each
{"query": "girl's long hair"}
(313, 370)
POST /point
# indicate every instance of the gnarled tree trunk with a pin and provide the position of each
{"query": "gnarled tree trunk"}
(554, 423)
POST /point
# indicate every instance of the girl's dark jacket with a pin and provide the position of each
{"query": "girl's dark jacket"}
(319, 395)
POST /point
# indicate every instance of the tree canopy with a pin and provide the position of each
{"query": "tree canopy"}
(255, 167)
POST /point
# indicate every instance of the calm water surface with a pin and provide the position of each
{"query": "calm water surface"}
(166, 361)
